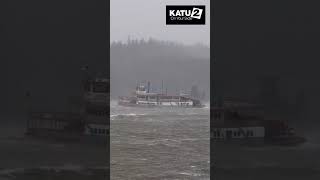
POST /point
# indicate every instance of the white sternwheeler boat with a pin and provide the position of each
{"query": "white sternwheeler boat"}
(242, 122)
(88, 124)
(143, 97)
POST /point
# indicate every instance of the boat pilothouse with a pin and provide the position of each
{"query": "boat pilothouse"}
(143, 97)
(96, 99)
(234, 121)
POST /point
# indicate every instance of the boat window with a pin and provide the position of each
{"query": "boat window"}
(142, 88)
(93, 131)
(217, 115)
(100, 87)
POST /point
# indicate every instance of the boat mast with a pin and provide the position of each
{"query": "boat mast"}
(162, 87)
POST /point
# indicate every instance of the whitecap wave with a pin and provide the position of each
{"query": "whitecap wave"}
(190, 174)
(115, 116)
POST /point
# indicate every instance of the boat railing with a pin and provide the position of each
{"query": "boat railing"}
(54, 115)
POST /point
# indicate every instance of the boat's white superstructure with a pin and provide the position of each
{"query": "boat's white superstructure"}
(244, 121)
(142, 97)
(90, 120)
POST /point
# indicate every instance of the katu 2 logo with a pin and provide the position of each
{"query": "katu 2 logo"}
(191, 14)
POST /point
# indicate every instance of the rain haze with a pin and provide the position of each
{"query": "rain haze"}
(154, 51)
(145, 19)
(152, 143)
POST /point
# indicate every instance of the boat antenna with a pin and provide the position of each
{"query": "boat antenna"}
(85, 70)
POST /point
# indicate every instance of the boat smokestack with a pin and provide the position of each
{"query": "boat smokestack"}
(148, 87)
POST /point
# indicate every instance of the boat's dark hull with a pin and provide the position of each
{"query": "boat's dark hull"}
(286, 141)
(156, 106)
(272, 141)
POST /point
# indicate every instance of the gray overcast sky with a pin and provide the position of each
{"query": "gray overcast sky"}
(146, 18)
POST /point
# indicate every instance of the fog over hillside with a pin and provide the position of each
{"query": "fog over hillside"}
(178, 66)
